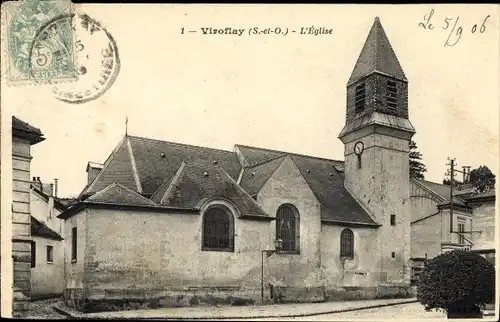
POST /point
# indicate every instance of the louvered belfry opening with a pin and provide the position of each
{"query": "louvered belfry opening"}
(218, 229)
(287, 228)
(359, 98)
(347, 243)
(392, 95)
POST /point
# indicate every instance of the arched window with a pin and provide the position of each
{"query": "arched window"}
(218, 229)
(347, 243)
(359, 98)
(288, 228)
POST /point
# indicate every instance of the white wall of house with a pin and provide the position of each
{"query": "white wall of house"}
(484, 224)
(47, 275)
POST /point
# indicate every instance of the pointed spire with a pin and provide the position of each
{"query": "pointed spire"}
(377, 55)
(126, 125)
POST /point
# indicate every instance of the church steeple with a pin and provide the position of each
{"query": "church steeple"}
(376, 139)
(377, 55)
(377, 86)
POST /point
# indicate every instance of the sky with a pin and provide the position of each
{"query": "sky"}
(280, 92)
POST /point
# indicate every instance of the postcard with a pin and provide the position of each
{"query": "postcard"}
(257, 162)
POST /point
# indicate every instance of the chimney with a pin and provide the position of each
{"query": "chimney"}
(93, 170)
(55, 186)
(37, 183)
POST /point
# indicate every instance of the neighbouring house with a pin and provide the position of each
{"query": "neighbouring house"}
(176, 224)
(436, 227)
(24, 136)
(47, 248)
(483, 224)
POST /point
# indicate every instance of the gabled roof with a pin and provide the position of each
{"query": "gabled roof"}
(254, 177)
(27, 131)
(377, 55)
(327, 184)
(324, 177)
(38, 228)
(195, 182)
(142, 172)
(142, 164)
(116, 193)
(442, 191)
(255, 156)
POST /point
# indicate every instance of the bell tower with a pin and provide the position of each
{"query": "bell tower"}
(376, 139)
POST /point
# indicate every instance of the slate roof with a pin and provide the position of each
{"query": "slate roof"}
(195, 182)
(118, 194)
(153, 161)
(443, 191)
(26, 130)
(254, 177)
(324, 177)
(327, 184)
(490, 194)
(151, 173)
(377, 55)
(38, 228)
(255, 156)
(379, 119)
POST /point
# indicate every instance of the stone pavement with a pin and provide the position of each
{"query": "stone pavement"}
(244, 312)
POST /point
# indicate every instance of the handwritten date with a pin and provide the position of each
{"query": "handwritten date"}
(452, 25)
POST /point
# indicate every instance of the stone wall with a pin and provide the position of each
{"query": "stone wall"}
(303, 270)
(21, 225)
(381, 185)
(158, 254)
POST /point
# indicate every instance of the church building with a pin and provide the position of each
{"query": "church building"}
(175, 224)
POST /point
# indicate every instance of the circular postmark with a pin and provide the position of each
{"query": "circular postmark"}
(36, 55)
(98, 62)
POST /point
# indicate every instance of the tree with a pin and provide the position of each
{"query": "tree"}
(417, 168)
(482, 179)
(448, 181)
(459, 281)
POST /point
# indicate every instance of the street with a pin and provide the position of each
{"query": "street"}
(403, 311)
(411, 311)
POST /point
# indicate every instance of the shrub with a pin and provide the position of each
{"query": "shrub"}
(457, 282)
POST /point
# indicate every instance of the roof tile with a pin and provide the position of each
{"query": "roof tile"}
(197, 182)
(157, 160)
(118, 194)
(377, 55)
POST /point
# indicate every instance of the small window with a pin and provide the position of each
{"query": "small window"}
(461, 230)
(392, 95)
(50, 254)
(73, 244)
(347, 244)
(393, 255)
(393, 220)
(359, 98)
(33, 254)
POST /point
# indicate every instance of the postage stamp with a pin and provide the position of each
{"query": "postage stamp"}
(39, 45)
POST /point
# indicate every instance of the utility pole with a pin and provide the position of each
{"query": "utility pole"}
(451, 172)
(452, 179)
